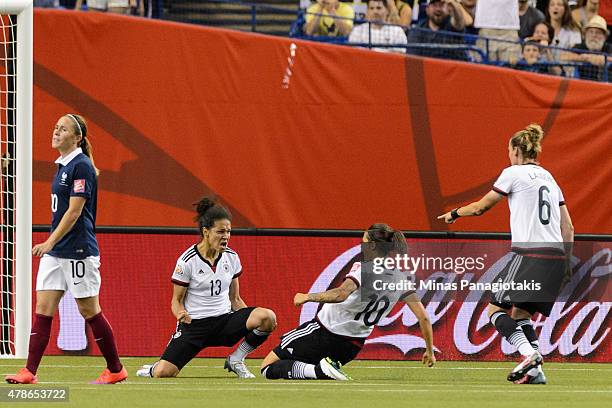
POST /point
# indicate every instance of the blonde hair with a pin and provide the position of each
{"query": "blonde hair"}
(80, 128)
(529, 141)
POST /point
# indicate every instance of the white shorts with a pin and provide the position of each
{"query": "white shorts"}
(80, 276)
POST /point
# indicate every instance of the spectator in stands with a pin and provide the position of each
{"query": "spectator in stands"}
(498, 20)
(46, 3)
(543, 34)
(595, 34)
(400, 12)
(529, 17)
(442, 15)
(531, 60)
(585, 12)
(376, 32)
(567, 32)
(470, 9)
(329, 18)
(112, 6)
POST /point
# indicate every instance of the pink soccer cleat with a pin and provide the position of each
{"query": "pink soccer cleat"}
(111, 378)
(23, 376)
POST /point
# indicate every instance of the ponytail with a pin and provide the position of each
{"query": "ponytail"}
(384, 233)
(529, 141)
(209, 211)
(80, 128)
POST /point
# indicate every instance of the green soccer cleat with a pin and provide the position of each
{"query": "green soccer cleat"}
(333, 370)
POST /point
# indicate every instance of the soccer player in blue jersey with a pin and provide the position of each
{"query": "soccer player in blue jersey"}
(206, 301)
(70, 257)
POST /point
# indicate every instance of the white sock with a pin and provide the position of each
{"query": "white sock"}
(241, 352)
(535, 371)
(519, 340)
(303, 370)
(525, 349)
(245, 348)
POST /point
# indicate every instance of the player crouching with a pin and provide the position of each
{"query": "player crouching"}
(317, 349)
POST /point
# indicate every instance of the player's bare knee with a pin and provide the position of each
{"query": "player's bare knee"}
(520, 314)
(88, 312)
(268, 321)
(271, 358)
(162, 370)
(491, 309)
(45, 309)
(165, 374)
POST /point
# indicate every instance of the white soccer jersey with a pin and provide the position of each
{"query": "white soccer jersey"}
(355, 318)
(534, 199)
(207, 285)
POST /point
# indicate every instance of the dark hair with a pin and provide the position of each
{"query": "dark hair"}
(79, 124)
(530, 42)
(208, 212)
(384, 2)
(384, 233)
(567, 21)
(549, 28)
(529, 141)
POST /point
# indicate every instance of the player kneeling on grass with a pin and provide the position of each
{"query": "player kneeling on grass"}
(317, 349)
(207, 304)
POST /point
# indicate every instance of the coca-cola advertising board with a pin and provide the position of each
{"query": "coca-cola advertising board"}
(136, 290)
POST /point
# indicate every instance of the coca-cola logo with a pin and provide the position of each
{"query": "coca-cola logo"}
(577, 324)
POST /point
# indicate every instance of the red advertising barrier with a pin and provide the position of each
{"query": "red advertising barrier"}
(136, 290)
(177, 111)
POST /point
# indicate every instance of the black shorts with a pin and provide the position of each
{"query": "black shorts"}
(311, 342)
(189, 339)
(545, 272)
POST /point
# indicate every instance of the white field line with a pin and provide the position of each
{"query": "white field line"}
(352, 390)
(237, 384)
(350, 367)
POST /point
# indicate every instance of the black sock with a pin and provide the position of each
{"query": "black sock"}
(278, 370)
(291, 370)
(256, 337)
(527, 327)
(511, 331)
(320, 374)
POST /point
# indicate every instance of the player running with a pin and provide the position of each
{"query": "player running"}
(317, 349)
(206, 301)
(70, 256)
(542, 237)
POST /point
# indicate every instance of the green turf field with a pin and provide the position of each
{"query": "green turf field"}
(377, 384)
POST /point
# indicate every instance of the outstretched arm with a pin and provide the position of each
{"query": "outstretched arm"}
(335, 295)
(474, 209)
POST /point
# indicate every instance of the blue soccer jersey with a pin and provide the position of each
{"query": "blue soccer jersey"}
(75, 177)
